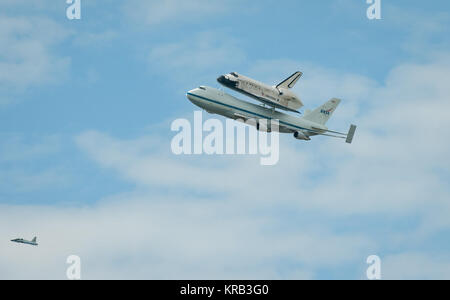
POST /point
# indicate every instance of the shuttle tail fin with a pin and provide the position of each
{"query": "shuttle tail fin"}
(323, 113)
(290, 82)
(34, 240)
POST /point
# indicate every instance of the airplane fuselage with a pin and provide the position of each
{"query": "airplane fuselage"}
(218, 102)
(22, 241)
(277, 97)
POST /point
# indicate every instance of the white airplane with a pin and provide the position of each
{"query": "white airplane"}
(279, 96)
(311, 124)
(22, 241)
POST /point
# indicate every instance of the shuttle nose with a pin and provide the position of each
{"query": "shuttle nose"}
(227, 81)
(222, 79)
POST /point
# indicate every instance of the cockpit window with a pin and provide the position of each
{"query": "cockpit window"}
(234, 74)
(202, 88)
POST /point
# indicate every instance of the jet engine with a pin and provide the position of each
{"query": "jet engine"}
(299, 135)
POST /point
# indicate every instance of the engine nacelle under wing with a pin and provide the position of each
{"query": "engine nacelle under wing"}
(263, 125)
(299, 135)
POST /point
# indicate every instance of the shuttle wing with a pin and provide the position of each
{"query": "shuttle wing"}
(290, 82)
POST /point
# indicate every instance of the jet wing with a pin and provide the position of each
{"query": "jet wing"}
(242, 116)
(348, 137)
(253, 121)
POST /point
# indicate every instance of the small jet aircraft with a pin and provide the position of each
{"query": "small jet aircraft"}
(22, 241)
(303, 128)
(279, 96)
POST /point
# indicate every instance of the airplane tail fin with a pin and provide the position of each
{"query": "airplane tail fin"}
(34, 240)
(323, 113)
(290, 82)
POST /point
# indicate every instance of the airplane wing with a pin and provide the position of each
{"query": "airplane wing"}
(251, 120)
(243, 116)
(348, 137)
(290, 82)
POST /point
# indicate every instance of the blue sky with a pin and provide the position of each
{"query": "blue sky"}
(85, 160)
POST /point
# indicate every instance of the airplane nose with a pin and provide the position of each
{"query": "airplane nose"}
(190, 93)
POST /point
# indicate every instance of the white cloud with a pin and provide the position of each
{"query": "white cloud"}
(26, 56)
(150, 236)
(201, 56)
(27, 5)
(175, 11)
(18, 175)
(15, 148)
(426, 31)
(94, 39)
(414, 266)
(19, 180)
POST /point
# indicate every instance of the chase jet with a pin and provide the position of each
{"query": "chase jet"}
(22, 241)
(279, 96)
(303, 128)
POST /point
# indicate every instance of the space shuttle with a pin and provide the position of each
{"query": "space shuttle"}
(33, 242)
(279, 96)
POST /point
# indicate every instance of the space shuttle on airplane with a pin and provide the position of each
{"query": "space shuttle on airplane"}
(279, 96)
(313, 123)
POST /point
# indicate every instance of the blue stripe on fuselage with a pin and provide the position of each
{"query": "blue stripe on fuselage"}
(250, 112)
